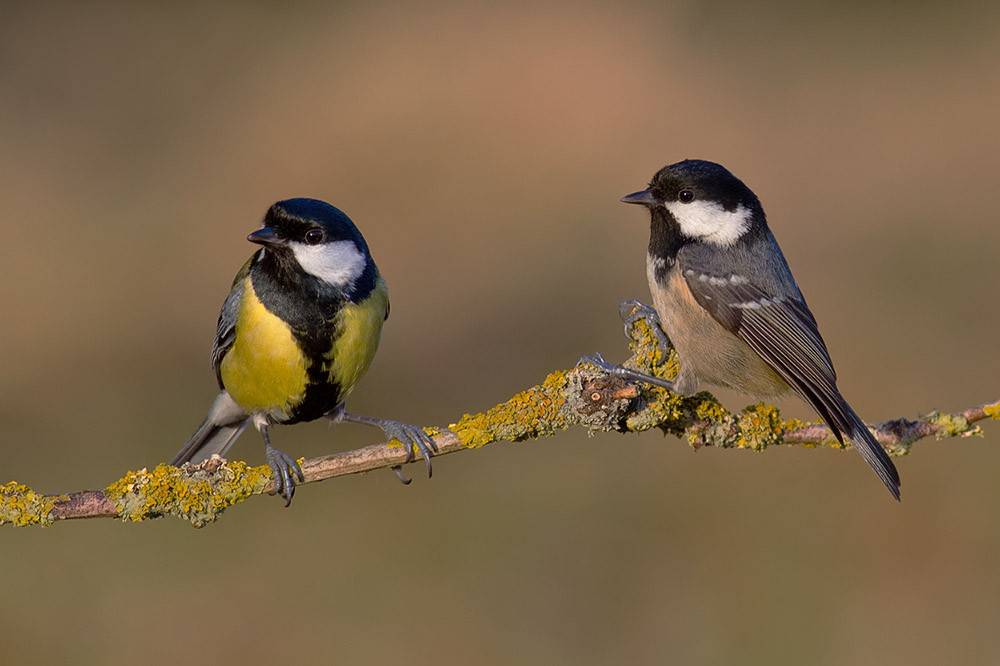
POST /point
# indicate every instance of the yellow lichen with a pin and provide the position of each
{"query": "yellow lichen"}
(20, 505)
(711, 410)
(755, 427)
(198, 496)
(472, 431)
(951, 425)
(993, 411)
(758, 426)
(790, 425)
(647, 355)
(531, 413)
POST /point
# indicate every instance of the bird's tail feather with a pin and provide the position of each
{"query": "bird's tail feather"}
(224, 423)
(844, 421)
(869, 448)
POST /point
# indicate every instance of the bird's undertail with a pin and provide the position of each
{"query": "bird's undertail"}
(224, 423)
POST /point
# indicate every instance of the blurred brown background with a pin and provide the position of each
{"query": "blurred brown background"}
(482, 151)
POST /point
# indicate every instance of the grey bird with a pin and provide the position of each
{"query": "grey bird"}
(727, 301)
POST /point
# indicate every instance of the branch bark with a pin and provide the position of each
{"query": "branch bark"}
(577, 397)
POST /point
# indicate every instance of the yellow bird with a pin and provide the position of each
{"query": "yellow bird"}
(298, 330)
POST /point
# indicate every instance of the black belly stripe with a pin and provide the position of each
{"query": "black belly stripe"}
(309, 306)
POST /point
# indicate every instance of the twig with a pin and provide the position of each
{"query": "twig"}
(581, 396)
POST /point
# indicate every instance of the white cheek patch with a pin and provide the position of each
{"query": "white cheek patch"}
(339, 263)
(709, 221)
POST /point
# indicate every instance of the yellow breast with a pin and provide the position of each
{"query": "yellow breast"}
(358, 330)
(264, 370)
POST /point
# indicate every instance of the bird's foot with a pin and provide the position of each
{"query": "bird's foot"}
(633, 311)
(413, 438)
(599, 362)
(285, 469)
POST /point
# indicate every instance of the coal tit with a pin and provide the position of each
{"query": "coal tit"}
(727, 301)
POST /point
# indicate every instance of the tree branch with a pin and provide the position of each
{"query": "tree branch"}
(577, 397)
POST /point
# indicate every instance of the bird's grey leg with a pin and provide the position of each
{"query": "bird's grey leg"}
(411, 436)
(634, 310)
(337, 415)
(283, 466)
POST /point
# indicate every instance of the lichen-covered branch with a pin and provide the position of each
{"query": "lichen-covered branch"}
(578, 397)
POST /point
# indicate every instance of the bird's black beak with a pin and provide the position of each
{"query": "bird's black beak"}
(644, 198)
(265, 236)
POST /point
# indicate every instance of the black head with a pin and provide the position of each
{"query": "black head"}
(307, 221)
(700, 180)
(702, 201)
(312, 236)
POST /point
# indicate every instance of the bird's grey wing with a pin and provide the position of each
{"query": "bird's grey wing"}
(767, 311)
(225, 332)
(780, 328)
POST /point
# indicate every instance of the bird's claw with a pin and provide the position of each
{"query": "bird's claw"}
(285, 469)
(413, 438)
(410, 436)
(634, 310)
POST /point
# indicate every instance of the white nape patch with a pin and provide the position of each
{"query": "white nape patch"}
(339, 263)
(709, 221)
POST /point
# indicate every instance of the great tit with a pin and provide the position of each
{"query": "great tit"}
(729, 305)
(296, 333)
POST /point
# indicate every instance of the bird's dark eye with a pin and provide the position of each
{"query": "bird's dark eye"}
(686, 196)
(314, 236)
